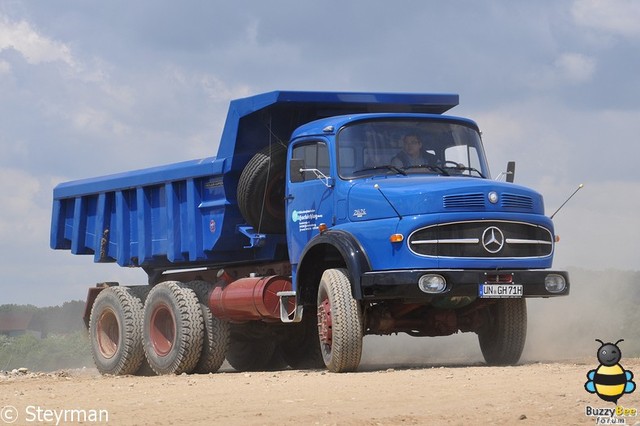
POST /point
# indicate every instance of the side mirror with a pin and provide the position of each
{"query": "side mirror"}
(295, 165)
(511, 171)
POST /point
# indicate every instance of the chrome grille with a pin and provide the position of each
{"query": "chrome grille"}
(482, 239)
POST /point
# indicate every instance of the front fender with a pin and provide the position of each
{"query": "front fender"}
(331, 249)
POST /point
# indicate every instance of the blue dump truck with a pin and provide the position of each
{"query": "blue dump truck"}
(323, 218)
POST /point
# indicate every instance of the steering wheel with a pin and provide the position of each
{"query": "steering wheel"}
(449, 163)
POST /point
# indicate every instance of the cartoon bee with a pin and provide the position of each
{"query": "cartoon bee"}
(609, 381)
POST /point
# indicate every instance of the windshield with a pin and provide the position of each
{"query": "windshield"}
(409, 146)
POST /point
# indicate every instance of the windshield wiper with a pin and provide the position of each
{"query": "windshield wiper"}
(386, 167)
(428, 166)
(467, 168)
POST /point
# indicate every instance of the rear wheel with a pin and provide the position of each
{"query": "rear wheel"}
(340, 326)
(141, 292)
(253, 347)
(503, 337)
(252, 354)
(216, 332)
(301, 347)
(173, 328)
(115, 329)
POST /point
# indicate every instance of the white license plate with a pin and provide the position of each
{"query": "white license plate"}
(500, 290)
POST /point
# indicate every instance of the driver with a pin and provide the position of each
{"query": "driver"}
(412, 153)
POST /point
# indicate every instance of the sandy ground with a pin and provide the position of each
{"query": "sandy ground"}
(458, 394)
(402, 381)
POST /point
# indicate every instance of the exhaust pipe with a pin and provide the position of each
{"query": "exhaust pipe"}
(249, 299)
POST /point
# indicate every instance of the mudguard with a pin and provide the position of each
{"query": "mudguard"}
(310, 268)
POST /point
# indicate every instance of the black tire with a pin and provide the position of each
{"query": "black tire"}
(301, 347)
(340, 325)
(277, 361)
(141, 292)
(261, 190)
(246, 354)
(115, 331)
(502, 339)
(173, 328)
(216, 332)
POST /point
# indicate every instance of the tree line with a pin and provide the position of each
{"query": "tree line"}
(55, 338)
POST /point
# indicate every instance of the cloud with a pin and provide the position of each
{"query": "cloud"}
(5, 67)
(575, 68)
(35, 48)
(616, 17)
(22, 210)
(566, 70)
(570, 145)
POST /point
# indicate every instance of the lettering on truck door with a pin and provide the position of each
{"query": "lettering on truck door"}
(309, 201)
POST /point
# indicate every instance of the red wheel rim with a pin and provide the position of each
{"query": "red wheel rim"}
(163, 330)
(108, 333)
(324, 323)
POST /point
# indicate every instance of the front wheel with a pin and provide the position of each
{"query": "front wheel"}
(502, 339)
(340, 326)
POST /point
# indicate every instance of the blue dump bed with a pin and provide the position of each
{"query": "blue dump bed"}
(185, 214)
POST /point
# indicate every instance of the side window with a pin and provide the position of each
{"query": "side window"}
(315, 156)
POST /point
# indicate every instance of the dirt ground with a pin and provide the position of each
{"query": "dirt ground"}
(459, 394)
(402, 381)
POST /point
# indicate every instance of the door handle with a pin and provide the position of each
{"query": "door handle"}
(289, 197)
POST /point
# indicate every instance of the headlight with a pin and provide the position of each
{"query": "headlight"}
(432, 283)
(554, 283)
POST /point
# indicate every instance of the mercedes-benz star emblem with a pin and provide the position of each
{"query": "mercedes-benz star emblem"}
(492, 239)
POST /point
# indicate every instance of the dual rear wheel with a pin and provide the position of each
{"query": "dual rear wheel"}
(170, 331)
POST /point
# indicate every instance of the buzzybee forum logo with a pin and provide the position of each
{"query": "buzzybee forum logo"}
(610, 380)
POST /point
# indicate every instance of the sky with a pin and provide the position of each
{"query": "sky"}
(89, 88)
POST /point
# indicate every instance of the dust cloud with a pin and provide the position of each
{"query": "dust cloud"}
(602, 305)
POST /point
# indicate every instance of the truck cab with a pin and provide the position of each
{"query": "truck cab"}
(403, 206)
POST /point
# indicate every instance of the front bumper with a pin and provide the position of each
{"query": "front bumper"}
(403, 284)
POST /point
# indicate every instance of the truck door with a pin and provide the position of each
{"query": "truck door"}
(309, 194)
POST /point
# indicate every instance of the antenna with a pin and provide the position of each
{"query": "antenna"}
(570, 196)
(376, 186)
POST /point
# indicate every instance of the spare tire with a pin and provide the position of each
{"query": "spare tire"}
(261, 190)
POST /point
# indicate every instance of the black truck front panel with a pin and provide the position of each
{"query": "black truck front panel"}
(403, 284)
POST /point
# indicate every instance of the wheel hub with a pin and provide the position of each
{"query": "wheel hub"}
(108, 334)
(324, 322)
(163, 330)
